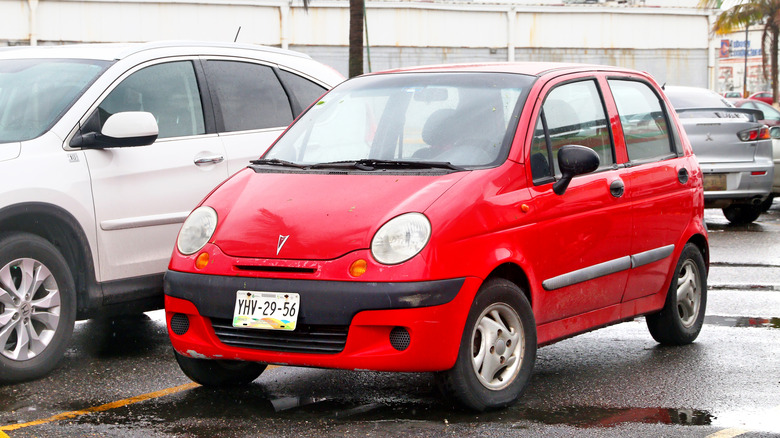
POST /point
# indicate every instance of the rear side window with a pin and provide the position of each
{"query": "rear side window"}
(302, 91)
(644, 122)
(169, 91)
(572, 114)
(247, 96)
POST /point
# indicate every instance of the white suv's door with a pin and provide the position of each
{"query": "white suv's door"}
(143, 194)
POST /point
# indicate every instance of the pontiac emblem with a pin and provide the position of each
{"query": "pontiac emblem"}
(280, 244)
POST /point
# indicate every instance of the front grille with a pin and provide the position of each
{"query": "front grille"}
(282, 269)
(319, 339)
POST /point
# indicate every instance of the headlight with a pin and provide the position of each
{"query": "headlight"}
(401, 238)
(197, 230)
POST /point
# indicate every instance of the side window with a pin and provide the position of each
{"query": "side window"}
(169, 91)
(572, 113)
(643, 119)
(302, 90)
(248, 96)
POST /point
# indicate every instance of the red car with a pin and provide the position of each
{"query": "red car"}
(448, 219)
(763, 96)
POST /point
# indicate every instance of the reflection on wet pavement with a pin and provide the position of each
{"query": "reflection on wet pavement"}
(733, 321)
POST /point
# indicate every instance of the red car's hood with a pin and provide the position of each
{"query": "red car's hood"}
(318, 216)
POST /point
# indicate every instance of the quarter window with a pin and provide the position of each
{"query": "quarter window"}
(572, 113)
(644, 122)
(248, 96)
(169, 91)
(302, 90)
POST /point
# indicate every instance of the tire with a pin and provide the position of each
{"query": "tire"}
(36, 317)
(497, 350)
(681, 319)
(219, 373)
(741, 214)
(767, 204)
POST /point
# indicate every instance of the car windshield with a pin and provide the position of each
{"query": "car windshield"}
(461, 119)
(34, 93)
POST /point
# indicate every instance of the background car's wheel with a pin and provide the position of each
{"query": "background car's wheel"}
(497, 349)
(219, 372)
(37, 306)
(741, 214)
(767, 204)
(680, 321)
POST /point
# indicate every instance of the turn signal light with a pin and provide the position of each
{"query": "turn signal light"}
(358, 268)
(202, 260)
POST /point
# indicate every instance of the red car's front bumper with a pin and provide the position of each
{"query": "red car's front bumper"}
(429, 335)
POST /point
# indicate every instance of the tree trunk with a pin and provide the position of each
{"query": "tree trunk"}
(774, 43)
(356, 8)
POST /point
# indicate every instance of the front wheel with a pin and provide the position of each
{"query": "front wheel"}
(37, 307)
(219, 373)
(681, 319)
(742, 214)
(497, 349)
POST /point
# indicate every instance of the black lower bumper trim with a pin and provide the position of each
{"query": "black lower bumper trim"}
(322, 302)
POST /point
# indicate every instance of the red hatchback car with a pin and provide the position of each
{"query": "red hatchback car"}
(763, 96)
(448, 219)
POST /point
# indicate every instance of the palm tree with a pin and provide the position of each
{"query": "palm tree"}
(357, 10)
(748, 13)
(356, 17)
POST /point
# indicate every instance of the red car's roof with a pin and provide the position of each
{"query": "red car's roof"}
(527, 68)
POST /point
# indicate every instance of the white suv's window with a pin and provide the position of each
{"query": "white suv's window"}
(247, 96)
(169, 91)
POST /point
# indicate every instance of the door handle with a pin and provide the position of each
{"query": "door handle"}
(215, 159)
(682, 175)
(617, 188)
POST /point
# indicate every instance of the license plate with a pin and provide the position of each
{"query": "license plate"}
(715, 182)
(266, 310)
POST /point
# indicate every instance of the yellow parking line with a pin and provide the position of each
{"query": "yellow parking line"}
(101, 408)
(728, 433)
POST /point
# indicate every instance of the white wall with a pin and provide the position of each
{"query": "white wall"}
(671, 41)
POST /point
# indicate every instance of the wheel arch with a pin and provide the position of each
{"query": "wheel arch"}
(62, 230)
(512, 272)
(701, 242)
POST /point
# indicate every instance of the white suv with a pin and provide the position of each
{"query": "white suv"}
(104, 150)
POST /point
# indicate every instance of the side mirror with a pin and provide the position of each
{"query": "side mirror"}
(574, 160)
(774, 132)
(131, 128)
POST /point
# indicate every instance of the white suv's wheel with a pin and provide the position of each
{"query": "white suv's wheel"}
(37, 306)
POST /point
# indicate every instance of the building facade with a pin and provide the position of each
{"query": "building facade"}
(672, 43)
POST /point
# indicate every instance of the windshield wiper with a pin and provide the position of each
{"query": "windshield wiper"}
(278, 162)
(370, 164)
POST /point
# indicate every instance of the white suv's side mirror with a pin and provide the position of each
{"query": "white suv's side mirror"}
(131, 124)
(130, 128)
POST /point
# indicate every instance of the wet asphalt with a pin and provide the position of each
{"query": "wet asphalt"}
(119, 379)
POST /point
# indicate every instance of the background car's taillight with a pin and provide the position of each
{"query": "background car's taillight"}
(761, 133)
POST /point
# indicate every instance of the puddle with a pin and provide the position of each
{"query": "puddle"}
(742, 321)
(583, 416)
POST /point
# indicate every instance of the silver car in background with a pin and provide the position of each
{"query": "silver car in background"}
(733, 149)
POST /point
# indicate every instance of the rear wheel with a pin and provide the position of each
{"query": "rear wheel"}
(681, 319)
(219, 373)
(37, 307)
(741, 214)
(767, 204)
(497, 349)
